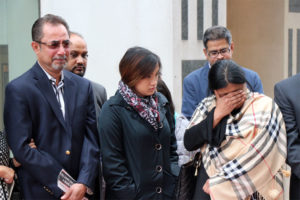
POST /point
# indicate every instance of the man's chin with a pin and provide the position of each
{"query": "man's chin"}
(80, 74)
(77, 72)
(58, 67)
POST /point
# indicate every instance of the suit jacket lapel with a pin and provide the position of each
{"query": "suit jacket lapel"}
(69, 96)
(42, 82)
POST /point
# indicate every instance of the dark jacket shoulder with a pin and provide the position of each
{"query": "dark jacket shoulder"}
(286, 83)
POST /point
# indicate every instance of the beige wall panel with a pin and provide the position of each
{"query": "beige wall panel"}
(257, 27)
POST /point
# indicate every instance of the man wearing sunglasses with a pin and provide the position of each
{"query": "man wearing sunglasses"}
(56, 109)
(218, 45)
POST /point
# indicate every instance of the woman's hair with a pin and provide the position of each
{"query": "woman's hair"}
(224, 72)
(136, 64)
(163, 88)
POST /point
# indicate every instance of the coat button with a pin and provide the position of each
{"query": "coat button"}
(158, 146)
(160, 125)
(158, 190)
(158, 168)
(68, 152)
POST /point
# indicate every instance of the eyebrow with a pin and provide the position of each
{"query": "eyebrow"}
(219, 49)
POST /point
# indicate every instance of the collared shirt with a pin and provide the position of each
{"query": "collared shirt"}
(58, 89)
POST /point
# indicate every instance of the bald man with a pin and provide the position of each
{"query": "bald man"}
(77, 64)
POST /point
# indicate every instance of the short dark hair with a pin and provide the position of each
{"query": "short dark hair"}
(136, 64)
(37, 27)
(224, 72)
(216, 33)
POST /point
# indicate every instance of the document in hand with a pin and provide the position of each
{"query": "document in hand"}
(65, 181)
(10, 189)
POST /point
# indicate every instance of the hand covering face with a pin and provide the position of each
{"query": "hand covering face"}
(251, 156)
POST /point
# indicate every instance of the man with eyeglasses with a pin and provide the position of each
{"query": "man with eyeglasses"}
(77, 64)
(218, 45)
(56, 109)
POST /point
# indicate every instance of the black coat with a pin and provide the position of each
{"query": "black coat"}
(138, 161)
(195, 137)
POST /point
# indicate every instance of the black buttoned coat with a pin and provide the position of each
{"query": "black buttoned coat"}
(138, 161)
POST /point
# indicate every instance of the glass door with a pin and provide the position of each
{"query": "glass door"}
(16, 55)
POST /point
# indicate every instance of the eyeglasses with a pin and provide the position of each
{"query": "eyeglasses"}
(75, 54)
(223, 52)
(56, 44)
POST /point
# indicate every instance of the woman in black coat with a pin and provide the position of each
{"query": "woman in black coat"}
(137, 133)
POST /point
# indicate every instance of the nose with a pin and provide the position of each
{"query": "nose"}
(220, 56)
(62, 50)
(79, 59)
(154, 81)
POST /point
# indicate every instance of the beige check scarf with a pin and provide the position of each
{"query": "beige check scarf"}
(251, 156)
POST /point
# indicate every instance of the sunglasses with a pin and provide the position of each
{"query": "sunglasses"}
(56, 44)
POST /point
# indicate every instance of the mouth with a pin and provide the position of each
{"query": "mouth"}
(60, 59)
(78, 68)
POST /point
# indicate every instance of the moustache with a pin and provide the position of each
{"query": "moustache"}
(60, 58)
(78, 65)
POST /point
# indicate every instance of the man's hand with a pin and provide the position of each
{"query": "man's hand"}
(76, 192)
(32, 145)
(227, 103)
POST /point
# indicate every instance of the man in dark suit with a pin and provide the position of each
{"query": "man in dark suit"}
(218, 44)
(56, 109)
(287, 95)
(77, 64)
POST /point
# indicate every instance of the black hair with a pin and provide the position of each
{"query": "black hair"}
(216, 33)
(37, 27)
(224, 72)
(163, 88)
(136, 64)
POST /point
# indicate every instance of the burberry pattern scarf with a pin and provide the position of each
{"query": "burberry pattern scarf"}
(250, 158)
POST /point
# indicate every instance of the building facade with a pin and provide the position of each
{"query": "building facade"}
(266, 34)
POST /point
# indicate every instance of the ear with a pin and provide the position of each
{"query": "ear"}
(217, 94)
(36, 47)
(205, 53)
(231, 47)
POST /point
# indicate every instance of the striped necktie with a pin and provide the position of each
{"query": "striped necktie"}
(57, 89)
